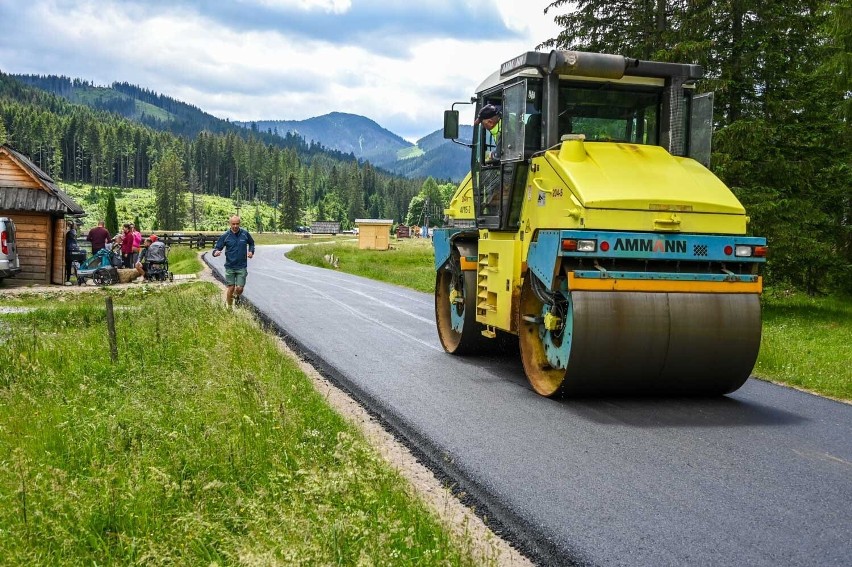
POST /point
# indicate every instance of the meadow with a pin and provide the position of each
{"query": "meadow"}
(213, 211)
(201, 444)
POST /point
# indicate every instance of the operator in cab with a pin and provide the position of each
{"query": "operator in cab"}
(490, 117)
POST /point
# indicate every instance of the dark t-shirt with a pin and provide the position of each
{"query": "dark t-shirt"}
(98, 236)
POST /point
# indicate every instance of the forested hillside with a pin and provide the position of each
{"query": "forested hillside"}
(782, 76)
(340, 134)
(152, 109)
(76, 143)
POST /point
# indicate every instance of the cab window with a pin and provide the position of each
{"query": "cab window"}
(610, 113)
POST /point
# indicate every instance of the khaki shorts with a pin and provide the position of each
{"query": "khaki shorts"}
(236, 277)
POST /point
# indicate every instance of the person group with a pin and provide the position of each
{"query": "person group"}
(131, 245)
(237, 243)
(128, 243)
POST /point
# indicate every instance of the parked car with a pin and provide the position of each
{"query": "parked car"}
(9, 262)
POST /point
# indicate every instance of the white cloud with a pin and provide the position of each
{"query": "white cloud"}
(401, 80)
(330, 6)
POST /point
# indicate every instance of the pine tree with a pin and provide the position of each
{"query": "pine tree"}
(196, 213)
(170, 185)
(290, 204)
(111, 214)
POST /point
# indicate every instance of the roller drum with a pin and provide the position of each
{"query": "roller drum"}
(663, 342)
(645, 343)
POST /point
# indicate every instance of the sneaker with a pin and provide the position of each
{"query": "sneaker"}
(68, 282)
(237, 300)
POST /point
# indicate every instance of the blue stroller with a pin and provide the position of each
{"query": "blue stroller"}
(101, 268)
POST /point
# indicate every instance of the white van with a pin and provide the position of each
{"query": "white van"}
(9, 263)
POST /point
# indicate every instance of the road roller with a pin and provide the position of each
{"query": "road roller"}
(591, 231)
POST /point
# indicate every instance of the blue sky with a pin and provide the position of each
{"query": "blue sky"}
(400, 63)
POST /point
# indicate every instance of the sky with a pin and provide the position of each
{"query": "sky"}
(400, 63)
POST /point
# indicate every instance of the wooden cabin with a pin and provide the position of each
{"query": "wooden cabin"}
(38, 207)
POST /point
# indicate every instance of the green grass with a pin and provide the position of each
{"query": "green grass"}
(807, 343)
(409, 262)
(200, 445)
(295, 238)
(184, 260)
(409, 152)
(90, 95)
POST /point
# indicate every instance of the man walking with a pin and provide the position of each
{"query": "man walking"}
(98, 236)
(239, 247)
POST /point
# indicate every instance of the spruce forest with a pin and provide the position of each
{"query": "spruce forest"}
(78, 144)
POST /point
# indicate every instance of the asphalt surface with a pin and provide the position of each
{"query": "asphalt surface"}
(760, 477)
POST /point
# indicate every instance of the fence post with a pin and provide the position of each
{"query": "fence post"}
(113, 347)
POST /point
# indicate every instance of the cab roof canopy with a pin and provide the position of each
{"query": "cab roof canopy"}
(591, 65)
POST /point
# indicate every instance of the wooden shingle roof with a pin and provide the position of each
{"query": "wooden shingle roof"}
(25, 187)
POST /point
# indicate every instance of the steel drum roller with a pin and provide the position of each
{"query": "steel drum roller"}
(635, 342)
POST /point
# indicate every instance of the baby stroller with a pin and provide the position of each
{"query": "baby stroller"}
(156, 263)
(101, 268)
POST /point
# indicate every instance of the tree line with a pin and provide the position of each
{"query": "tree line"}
(75, 143)
(781, 73)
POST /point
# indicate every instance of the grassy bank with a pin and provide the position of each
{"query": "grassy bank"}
(201, 444)
(806, 343)
(805, 340)
(184, 260)
(409, 262)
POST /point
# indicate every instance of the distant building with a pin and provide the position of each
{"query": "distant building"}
(325, 227)
(374, 234)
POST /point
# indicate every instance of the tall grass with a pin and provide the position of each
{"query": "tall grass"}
(184, 260)
(200, 445)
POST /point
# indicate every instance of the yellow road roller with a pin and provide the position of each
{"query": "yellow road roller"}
(590, 228)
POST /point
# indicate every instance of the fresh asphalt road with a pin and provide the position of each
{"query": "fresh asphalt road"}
(759, 477)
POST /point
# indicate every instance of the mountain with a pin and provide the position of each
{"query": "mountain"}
(346, 133)
(432, 155)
